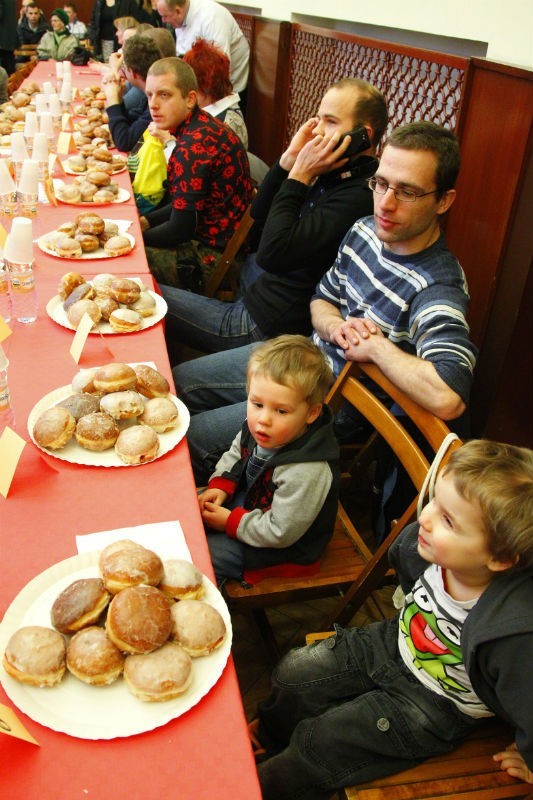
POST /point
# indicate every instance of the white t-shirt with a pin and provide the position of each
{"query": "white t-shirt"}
(209, 20)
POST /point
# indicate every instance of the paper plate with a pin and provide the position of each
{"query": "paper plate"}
(42, 243)
(74, 454)
(98, 712)
(55, 310)
(121, 197)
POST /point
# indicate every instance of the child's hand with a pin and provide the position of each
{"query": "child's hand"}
(216, 496)
(215, 516)
(512, 762)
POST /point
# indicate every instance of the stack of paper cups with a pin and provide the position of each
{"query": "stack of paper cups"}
(41, 103)
(8, 191)
(46, 126)
(19, 152)
(28, 189)
(55, 109)
(47, 88)
(18, 257)
(40, 154)
(66, 93)
(30, 127)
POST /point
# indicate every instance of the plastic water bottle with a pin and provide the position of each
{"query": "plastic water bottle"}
(7, 417)
(6, 302)
(18, 258)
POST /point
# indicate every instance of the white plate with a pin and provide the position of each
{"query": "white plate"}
(97, 712)
(69, 171)
(97, 254)
(75, 454)
(55, 310)
(121, 197)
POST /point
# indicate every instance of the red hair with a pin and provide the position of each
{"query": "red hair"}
(211, 67)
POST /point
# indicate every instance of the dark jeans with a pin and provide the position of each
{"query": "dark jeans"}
(346, 710)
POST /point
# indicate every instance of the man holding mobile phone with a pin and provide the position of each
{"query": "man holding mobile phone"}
(304, 206)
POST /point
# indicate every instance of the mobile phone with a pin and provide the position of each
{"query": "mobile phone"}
(359, 141)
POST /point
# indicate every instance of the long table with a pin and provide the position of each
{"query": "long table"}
(204, 753)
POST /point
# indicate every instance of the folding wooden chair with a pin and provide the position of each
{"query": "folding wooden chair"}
(227, 267)
(348, 566)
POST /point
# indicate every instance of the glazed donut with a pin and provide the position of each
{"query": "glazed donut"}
(88, 191)
(54, 428)
(68, 283)
(137, 445)
(67, 247)
(106, 305)
(79, 605)
(103, 154)
(115, 377)
(77, 311)
(103, 166)
(105, 195)
(118, 245)
(102, 283)
(76, 163)
(124, 320)
(150, 382)
(124, 290)
(96, 432)
(98, 177)
(145, 305)
(160, 413)
(67, 228)
(89, 242)
(181, 580)
(90, 223)
(35, 655)
(111, 229)
(84, 291)
(158, 676)
(83, 381)
(197, 626)
(70, 193)
(138, 619)
(124, 564)
(122, 405)
(93, 658)
(80, 404)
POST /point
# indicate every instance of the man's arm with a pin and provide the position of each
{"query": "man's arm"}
(363, 341)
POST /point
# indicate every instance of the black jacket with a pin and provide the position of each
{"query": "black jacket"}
(27, 35)
(123, 8)
(302, 230)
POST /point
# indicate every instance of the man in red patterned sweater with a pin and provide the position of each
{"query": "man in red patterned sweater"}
(208, 181)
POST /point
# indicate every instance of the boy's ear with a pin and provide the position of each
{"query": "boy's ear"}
(500, 566)
(314, 413)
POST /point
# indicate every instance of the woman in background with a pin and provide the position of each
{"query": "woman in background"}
(101, 31)
(58, 43)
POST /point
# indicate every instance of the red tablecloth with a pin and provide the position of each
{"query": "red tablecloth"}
(202, 754)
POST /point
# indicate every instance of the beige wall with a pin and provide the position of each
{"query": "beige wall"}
(506, 28)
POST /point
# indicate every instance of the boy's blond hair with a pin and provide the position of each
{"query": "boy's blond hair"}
(293, 361)
(499, 477)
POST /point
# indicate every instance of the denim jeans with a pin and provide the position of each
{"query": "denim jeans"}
(214, 390)
(205, 323)
(346, 710)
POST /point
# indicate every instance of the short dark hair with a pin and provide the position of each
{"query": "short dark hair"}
(162, 38)
(441, 141)
(139, 54)
(183, 74)
(370, 106)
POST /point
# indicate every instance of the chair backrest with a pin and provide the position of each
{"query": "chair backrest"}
(226, 262)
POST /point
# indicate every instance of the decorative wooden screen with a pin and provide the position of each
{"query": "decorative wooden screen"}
(418, 84)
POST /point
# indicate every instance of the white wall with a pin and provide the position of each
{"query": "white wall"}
(506, 27)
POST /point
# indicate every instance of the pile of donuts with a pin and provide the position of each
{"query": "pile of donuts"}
(13, 112)
(143, 618)
(122, 302)
(97, 158)
(87, 233)
(94, 186)
(115, 406)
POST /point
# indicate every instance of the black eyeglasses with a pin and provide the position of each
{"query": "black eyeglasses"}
(380, 186)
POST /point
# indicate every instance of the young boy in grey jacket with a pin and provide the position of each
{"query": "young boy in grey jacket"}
(272, 499)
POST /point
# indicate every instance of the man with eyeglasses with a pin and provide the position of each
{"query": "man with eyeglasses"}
(395, 296)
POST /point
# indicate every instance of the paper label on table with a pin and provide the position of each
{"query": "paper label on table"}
(80, 337)
(11, 447)
(3, 236)
(12, 726)
(49, 190)
(5, 330)
(66, 123)
(65, 143)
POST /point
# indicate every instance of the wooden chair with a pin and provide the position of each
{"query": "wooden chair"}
(227, 267)
(348, 566)
(467, 773)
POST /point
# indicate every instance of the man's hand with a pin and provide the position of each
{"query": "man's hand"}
(215, 496)
(353, 331)
(300, 138)
(163, 136)
(320, 155)
(512, 762)
(113, 87)
(215, 516)
(143, 222)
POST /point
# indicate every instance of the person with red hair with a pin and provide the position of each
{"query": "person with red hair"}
(215, 91)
